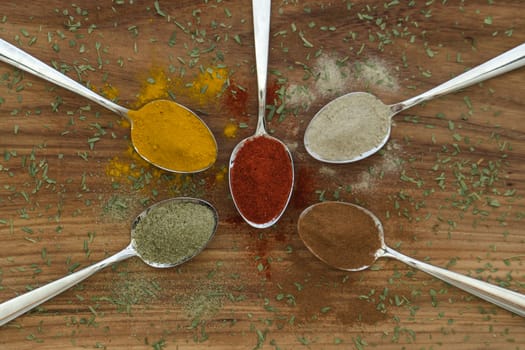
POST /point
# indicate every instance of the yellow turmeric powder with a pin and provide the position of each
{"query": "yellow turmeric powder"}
(221, 174)
(110, 92)
(130, 167)
(155, 87)
(230, 130)
(171, 137)
(209, 84)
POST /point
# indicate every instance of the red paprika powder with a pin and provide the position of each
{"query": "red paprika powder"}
(261, 179)
(235, 98)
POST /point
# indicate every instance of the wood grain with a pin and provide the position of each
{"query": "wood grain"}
(448, 186)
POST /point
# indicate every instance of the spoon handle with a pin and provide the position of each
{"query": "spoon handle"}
(22, 60)
(507, 61)
(261, 32)
(19, 305)
(505, 298)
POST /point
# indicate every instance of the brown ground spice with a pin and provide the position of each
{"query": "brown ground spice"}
(341, 234)
(307, 295)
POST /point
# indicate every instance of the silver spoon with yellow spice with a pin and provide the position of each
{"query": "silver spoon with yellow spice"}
(356, 125)
(349, 237)
(164, 133)
(166, 234)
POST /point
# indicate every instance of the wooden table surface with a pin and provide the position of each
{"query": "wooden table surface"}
(448, 186)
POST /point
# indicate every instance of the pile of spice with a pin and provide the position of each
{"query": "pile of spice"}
(130, 166)
(334, 77)
(208, 85)
(172, 137)
(348, 127)
(174, 231)
(261, 179)
(132, 288)
(341, 234)
(156, 86)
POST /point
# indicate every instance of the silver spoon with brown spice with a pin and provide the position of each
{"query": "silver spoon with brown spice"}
(349, 237)
(166, 234)
(356, 125)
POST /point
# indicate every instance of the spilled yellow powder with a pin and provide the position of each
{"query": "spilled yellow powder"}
(221, 174)
(230, 130)
(208, 85)
(124, 123)
(155, 87)
(110, 92)
(129, 166)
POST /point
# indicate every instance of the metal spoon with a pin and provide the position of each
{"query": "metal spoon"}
(507, 299)
(19, 305)
(322, 135)
(261, 25)
(22, 60)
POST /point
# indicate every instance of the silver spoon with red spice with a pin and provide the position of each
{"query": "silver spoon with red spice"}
(261, 171)
(351, 238)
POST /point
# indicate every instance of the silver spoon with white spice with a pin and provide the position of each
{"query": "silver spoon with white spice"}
(356, 125)
(195, 221)
(334, 245)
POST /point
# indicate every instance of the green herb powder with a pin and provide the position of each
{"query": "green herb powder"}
(173, 232)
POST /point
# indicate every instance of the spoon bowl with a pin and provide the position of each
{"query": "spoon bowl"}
(357, 125)
(174, 153)
(355, 240)
(261, 25)
(276, 202)
(19, 305)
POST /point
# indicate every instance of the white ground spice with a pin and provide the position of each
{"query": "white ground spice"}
(388, 164)
(334, 78)
(348, 128)
(374, 72)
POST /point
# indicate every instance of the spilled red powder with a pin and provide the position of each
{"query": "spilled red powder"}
(272, 96)
(305, 187)
(261, 179)
(235, 98)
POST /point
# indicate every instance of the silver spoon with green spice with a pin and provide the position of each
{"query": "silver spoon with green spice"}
(356, 125)
(349, 237)
(189, 147)
(166, 234)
